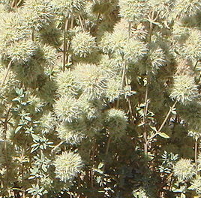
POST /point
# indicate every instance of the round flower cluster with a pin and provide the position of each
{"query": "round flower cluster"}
(67, 166)
(67, 109)
(186, 8)
(83, 44)
(68, 7)
(196, 185)
(184, 89)
(71, 136)
(133, 10)
(38, 14)
(192, 46)
(157, 58)
(22, 51)
(13, 28)
(118, 43)
(116, 122)
(66, 83)
(114, 89)
(184, 169)
(91, 80)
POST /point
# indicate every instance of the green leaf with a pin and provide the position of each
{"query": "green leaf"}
(44, 168)
(154, 128)
(100, 165)
(163, 135)
(27, 118)
(18, 129)
(16, 100)
(35, 137)
(174, 111)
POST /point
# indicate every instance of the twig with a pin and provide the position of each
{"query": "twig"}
(129, 29)
(58, 145)
(195, 65)
(5, 144)
(92, 158)
(19, 2)
(196, 150)
(13, 3)
(151, 26)
(144, 121)
(122, 79)
(64, 44)
(8, 69)
(108, 145)
(168, 114)
(164, 121)
(107, 150)
(81, 23)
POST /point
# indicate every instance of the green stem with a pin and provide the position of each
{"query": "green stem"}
(164, 121)
(151, 26)
(19, 2)
(6, 146)
(108, 145)
(65, 43)
(144, 121)
(7, 72)
(107, 150)
(129, 29)
(167, 116)
(196, 63)
(196, 150)
(80, 19)
(57, 146)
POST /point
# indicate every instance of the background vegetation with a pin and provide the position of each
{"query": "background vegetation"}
(100, 98)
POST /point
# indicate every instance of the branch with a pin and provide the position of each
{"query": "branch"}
(164, 121)
(58, 145)
(8, 69)
(168, 114)
(64, 44)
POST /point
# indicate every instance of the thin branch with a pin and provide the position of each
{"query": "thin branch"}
(107, 149)
(13, 3)
(123, 75)
(19, 2)
(5, 144)
(164, 121)
(108, 145)
(93, 159)
(129, 29)
(146, 104)
(167, 116)
(144, 121)
(151, 26)
(196, 150)
(82, 25)
(57, 146)
(8, 69)
(64, 44)
(122, 79)
(195, 65)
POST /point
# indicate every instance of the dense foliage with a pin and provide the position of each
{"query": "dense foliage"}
(100, 98)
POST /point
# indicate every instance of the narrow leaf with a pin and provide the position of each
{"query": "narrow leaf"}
(163, 135)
